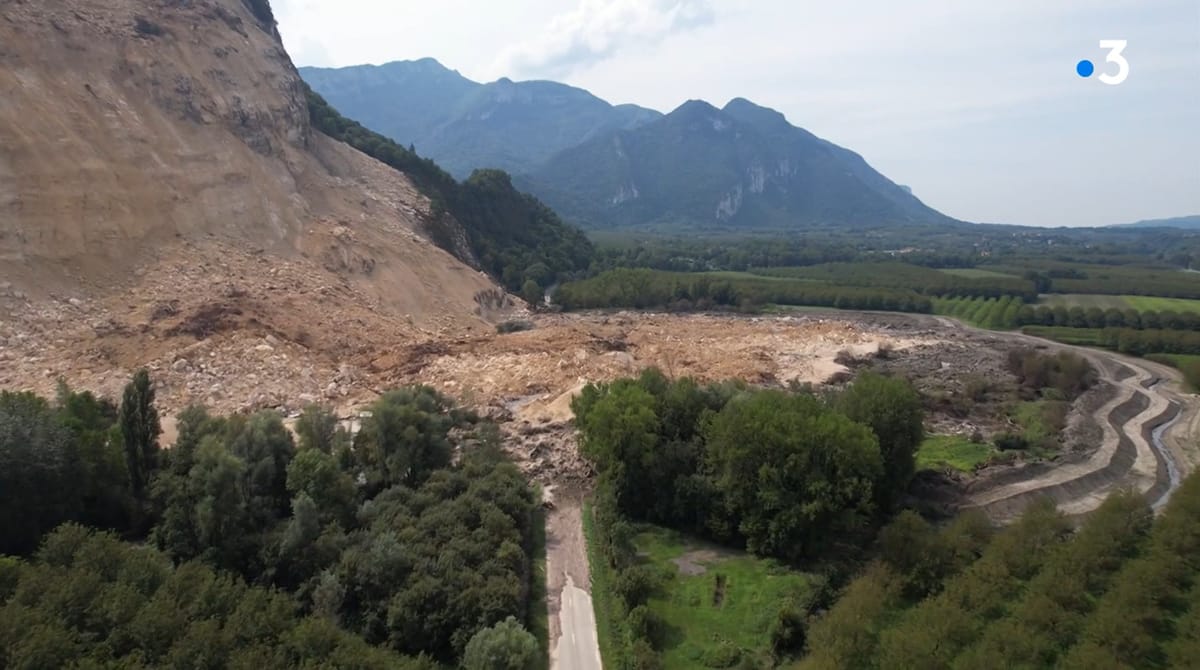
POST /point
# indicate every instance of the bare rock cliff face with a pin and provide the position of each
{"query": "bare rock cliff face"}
(157, 166)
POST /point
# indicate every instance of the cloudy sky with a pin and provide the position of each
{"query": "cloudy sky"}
(975, 104)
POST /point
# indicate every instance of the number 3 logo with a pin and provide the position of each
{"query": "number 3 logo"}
(1115, 48)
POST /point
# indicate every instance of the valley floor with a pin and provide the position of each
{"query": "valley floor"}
(1136, 429)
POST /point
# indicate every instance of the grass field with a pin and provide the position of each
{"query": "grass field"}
(1144, 303)
(1087, 337)
(1084, 301)
(733, 274)
(723, 609)
(940, 451)
(976, 273)
(1136, 302)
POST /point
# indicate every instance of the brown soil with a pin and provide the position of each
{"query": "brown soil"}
(165, 202)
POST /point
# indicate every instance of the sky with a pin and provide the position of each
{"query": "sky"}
(974, 104)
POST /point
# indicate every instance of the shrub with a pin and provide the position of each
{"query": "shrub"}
(1011, 442)
(146, 28)
(514, 326)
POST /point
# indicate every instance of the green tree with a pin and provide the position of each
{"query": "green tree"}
(266, 448)
(317, 428)
(892, 409)
(38, 475)
(139, 431)
(316, 474)
(102, 482)
(405, 438)
(793, 474)
(847, 636)
(619, 431)
(531, 292)
(505, 646)
(218, 508)
(194, 424)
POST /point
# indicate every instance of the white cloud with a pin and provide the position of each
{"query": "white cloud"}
(598, 29)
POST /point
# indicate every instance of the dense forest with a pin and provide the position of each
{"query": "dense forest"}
(923, 280)
(679, 291)
(783, 474)
(515, 238)
(406, 546)
(1067, 255)
(1120, 592)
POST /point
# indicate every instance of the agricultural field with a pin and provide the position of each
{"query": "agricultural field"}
(1135, 302)
(716, 605)
(1131, 278)
(1146, 303)
(1086, 337)
(734, 274)
(977, 273)
(954, 451)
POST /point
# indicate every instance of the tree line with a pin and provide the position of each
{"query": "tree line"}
(1120, 592)
(923, 280)
(384, 549)
(511, 235)
(1012, 311)
(1142, 342)
(644, 289)
(782, 474)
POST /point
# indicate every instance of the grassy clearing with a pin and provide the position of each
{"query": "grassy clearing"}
(1041, 421)
(955, 451)
(1136, 302)
(609, 617)
(1032, 417)
(1146, 303)
(539, 614)
(725, 612)
(1087, 337)
(1085, 301)
(976, 273)
(733, 274)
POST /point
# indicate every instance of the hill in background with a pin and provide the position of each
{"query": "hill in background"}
(743, 167)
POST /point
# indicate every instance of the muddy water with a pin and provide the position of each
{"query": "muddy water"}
(1173, 470)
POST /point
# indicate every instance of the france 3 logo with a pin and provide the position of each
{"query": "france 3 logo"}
(1085, 68)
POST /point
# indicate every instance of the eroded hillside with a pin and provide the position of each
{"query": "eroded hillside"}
(161, 188)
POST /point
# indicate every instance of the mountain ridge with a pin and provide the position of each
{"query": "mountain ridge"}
(501, 124)
(573, 150)
(743, 167)
(1187, 222)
